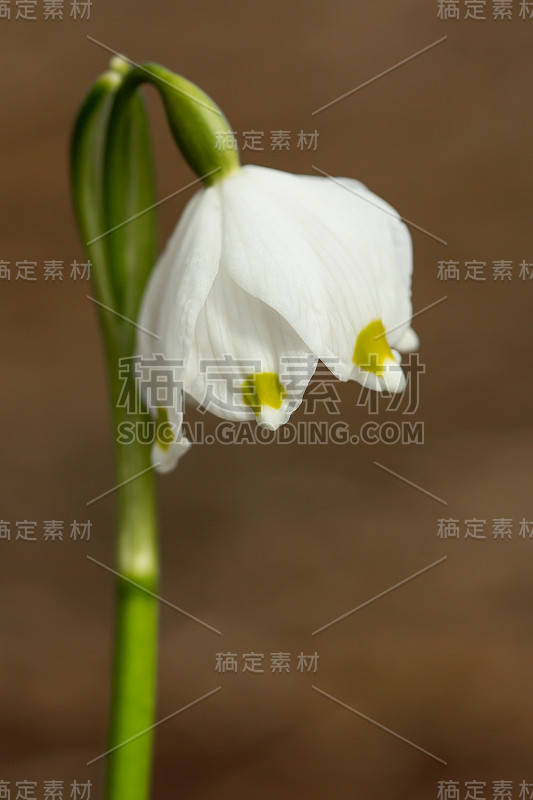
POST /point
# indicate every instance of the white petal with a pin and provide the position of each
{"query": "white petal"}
(409, 342)
(165, 459)
(177, 289)
(329, 258)
(236, 337)
(180, 282)
(392, 380)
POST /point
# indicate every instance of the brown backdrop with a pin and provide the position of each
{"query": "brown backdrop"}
(269, 543)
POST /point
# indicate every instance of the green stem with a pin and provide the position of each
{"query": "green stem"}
(136, 635)
(112, 181)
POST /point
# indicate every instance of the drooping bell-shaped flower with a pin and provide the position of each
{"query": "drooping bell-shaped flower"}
(266, 273)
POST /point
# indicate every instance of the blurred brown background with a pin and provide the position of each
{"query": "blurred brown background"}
(269, 543)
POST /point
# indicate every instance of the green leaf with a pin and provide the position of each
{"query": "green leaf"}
(113, 190)
(86, 170)
(129, 198)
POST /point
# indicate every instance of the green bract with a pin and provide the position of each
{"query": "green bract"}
(195, 120)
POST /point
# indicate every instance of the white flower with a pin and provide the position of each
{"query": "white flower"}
(267, 272)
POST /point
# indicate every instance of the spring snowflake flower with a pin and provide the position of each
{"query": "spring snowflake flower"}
(266, 273)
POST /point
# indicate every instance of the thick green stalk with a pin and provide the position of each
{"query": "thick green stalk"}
(136, 633)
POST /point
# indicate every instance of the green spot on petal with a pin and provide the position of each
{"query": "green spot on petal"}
(372, 349)
(263, 389)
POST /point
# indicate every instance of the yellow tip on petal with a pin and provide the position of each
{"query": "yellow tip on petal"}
(263, 389)
(372, 352)
(167, 449)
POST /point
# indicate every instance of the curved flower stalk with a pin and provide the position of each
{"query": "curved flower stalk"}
(268, 272)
